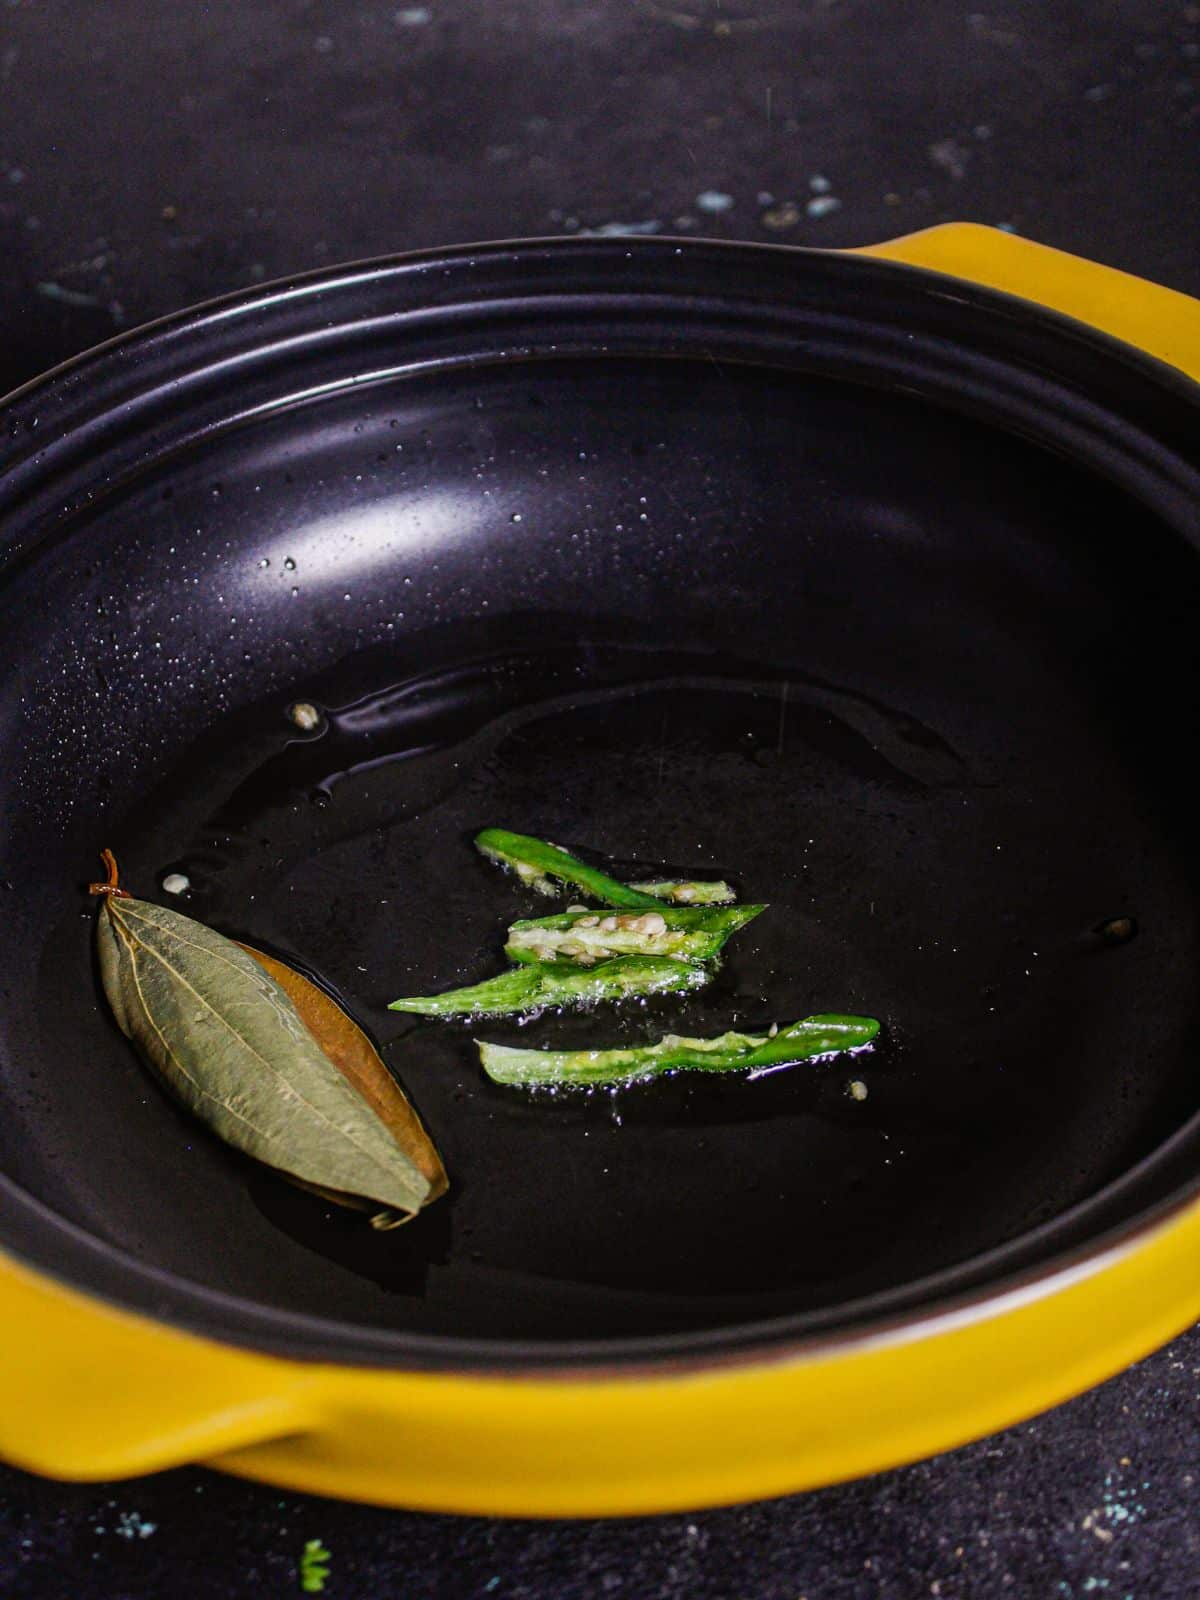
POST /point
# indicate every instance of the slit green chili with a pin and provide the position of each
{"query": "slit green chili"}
(533, 987)
(824, 1035)
(686, 893)
(694, 934)
(540, 865)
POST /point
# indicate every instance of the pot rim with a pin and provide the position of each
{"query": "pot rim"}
(107, 381)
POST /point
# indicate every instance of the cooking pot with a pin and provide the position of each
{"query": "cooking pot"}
(868, 580)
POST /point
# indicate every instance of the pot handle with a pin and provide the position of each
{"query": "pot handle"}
(1162, 322)
(91, 1392)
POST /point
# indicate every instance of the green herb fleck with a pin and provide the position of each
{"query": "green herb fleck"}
(314, 1567)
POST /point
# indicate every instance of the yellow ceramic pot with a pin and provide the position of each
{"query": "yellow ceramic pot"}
(91, 1390)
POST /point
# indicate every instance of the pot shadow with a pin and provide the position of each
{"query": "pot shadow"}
(397, 1260)
(42, 331)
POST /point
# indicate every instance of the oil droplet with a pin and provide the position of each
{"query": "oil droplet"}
(289, 565)
(263, 564)
(516, 517)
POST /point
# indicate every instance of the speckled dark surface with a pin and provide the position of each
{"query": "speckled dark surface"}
(150, 157)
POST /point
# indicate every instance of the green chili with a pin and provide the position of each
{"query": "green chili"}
(823, 1035)
(539, 864)
(689, 894)
(530, 988)
(587, 937)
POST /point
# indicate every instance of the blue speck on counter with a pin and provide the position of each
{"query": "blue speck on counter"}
(616, 230)
(131, 1525)
(822, 205)
(413, 16)
(69, 297)
(713, 201)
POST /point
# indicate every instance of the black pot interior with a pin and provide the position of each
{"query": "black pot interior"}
(716, 602)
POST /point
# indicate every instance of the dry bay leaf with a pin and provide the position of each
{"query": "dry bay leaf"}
(293, 1083)
(355, 1057)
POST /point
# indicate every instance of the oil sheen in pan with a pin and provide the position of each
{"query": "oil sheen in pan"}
(347, 846)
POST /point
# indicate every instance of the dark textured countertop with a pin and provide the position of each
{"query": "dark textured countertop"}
(153, 156)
